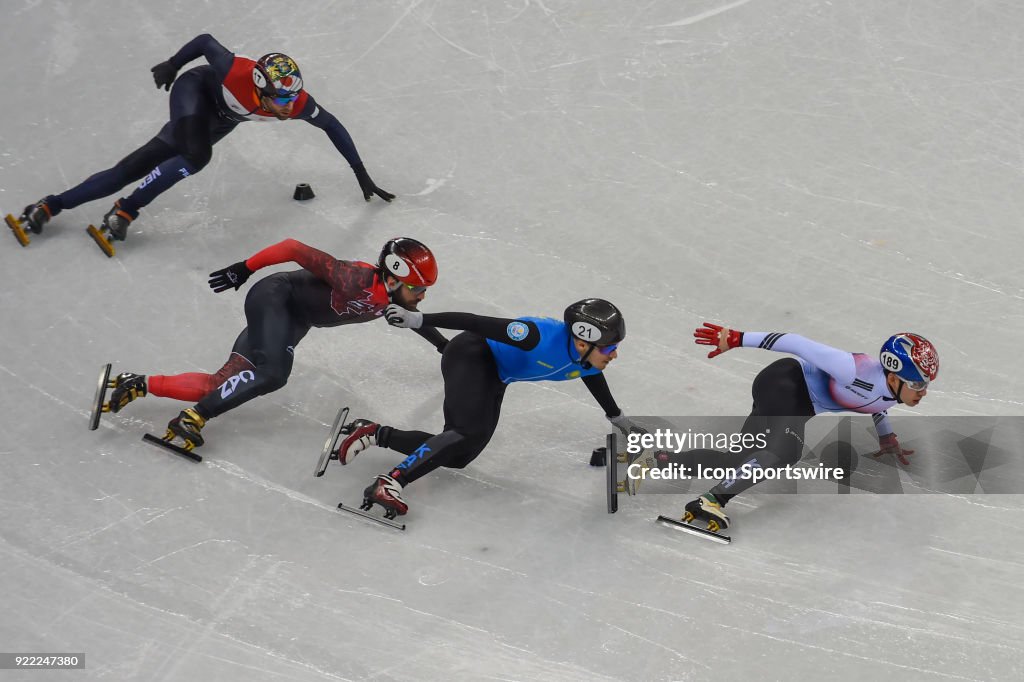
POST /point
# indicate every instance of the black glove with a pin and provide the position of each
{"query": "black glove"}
(163, 74)
(231, 276)
(366, 184)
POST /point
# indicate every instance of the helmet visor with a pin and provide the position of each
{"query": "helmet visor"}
(283, 98)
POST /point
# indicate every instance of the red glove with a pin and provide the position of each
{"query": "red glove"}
(888, 445)
(716, 335)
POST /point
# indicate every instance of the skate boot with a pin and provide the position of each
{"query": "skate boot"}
(127, 387)
(116, 221)
(31, 219)
(36, 215)
(386, 492)
(635, 475)
(186, 426)
(706, 508)
(359, 435)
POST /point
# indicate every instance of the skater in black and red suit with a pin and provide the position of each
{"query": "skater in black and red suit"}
(279, 311)
(206, 103)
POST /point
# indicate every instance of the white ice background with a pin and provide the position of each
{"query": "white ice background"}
(843, 169)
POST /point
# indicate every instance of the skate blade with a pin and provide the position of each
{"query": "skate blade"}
(694, 530)
(176, 449)
(98, 404)
(101, 241)
(331, 442)
(370, 517)
(19, 232)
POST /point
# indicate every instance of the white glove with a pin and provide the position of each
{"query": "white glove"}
(626, 425)
(397, 316)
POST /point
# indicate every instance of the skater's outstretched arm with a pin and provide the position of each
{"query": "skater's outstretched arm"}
(500, 329)
(323, 265)
(598, 387)
(339, 136)
(882, 424)
(316, 115)
(839, 364)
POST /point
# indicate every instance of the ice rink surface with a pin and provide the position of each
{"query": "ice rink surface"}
(845, 170)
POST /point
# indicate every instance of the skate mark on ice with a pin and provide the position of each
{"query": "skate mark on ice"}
(687, 21)
(847, 654)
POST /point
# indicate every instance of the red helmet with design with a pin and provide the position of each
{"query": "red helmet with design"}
(409, 261)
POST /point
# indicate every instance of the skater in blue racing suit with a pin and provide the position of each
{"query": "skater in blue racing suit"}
(477, 366)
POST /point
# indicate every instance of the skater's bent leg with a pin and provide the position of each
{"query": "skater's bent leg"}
(472, 406)
(401, 441)
(782, 408)
(104, 183)
(192, 386)
(446, 449)
(781, 451)
(193, 129)
(271, 336)
(192, 142)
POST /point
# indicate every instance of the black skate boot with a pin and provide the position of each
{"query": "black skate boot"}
(31, 219)
(116, 222)
(127, 387)
(706, 508)
(36, 215)
(386, 492)
(186, 426)
(359, 435)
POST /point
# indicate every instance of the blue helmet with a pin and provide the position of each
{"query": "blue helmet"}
(911, 357)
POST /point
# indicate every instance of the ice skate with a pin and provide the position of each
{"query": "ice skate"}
(99, 401)
(32, 218)
(116, 222)
(704, 509)
(329, 450)
(113, 228)
(359, 435)
(187, 427)
(637, 467)
(36, 215)
(386, 492)
(126, 388)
